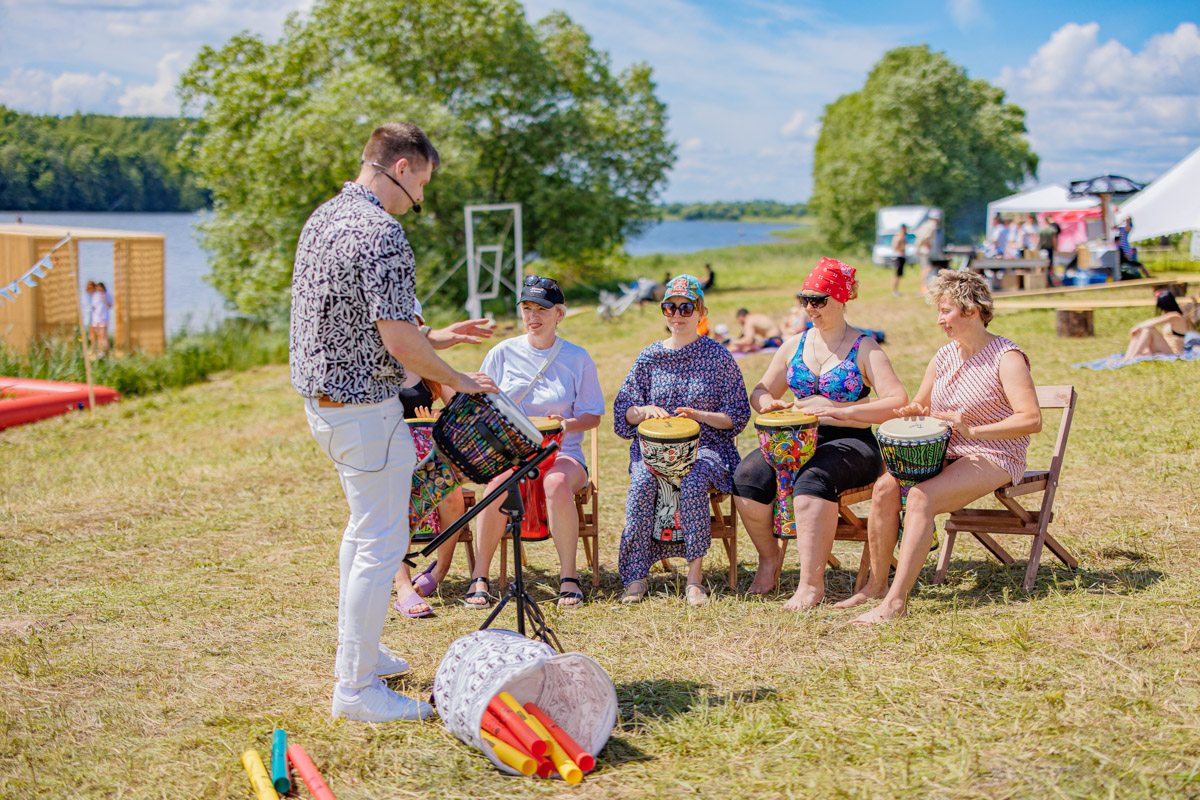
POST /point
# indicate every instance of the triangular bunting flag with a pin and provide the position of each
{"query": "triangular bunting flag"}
(28, 281)
(39, 269)
(14, 288)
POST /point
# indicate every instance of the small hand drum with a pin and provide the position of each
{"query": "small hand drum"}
(914, 450)
(475, 438)
(534, 525)
(787, 440)
(669, 447)
(427, 527)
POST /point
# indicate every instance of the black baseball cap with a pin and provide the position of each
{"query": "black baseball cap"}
(543, 291)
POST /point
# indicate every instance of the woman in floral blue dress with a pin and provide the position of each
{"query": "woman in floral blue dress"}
(685, 375)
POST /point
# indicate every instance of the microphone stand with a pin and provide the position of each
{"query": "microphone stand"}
(514, 510)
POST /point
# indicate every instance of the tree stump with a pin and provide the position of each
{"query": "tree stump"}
(1072, 323)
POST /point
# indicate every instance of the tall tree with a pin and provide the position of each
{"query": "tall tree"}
(520, 113)
(918, 132)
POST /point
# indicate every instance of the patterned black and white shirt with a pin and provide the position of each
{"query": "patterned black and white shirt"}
(354, 266)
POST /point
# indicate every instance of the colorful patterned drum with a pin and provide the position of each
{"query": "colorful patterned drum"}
(914, 450)
(787, 440)
(534, 525)
(669, 446)
(422, 528)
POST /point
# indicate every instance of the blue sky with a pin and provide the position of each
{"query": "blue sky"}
(1108, 86)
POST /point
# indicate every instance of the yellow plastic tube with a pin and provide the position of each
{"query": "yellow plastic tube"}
(259, 779)
(521, 762)
(568, 769)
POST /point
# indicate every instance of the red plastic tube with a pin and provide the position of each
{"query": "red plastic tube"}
(308, 773)
(530, 742)
(585, 760)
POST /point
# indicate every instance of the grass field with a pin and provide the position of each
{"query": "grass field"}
(168, 584)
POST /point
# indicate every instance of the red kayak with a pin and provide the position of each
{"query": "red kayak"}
(25, 400)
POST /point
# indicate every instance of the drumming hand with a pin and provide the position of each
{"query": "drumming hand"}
(774, 405)
(469, 331)
(474, 383)
(425, 412)
(829, 412)
(912, 410)
(560, 418)
(956, 421)
(653, 412)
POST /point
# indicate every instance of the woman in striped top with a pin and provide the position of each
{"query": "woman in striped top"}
(980, 384)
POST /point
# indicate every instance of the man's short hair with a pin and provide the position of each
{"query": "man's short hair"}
(393, 141)
(741, 312)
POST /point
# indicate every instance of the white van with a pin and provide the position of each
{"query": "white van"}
(887, 223)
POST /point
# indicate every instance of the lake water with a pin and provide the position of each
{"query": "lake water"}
(192, 303)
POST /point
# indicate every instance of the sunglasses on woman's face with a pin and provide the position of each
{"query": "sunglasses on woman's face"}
(813, 301)
(545, 283)
(684, 309)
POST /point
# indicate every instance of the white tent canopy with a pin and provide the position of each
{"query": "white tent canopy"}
(1050, 197)
(1170, 204)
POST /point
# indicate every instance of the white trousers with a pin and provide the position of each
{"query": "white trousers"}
(373, 451)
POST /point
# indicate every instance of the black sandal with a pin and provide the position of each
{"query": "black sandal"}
(577, 595)
(472, 595)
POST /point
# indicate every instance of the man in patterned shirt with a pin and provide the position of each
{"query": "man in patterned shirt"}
(353, 332)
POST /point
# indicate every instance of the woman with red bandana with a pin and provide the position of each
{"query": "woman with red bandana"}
(830, 369)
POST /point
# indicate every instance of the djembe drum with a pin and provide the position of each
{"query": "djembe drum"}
(422, 528)
(475, 438)
(669, 446)
(787, 440)
(534, 525)
(914, 450)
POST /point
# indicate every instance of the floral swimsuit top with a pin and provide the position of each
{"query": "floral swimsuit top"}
(842, 384)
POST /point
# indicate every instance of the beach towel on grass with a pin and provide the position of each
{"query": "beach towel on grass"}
(1117, 360)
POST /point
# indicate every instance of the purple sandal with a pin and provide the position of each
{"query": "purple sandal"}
(425, 584)
(412, 600)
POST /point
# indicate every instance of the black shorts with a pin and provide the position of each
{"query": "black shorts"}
(898, 265)
(846, 458)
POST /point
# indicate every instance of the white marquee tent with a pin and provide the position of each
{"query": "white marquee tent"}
(1050, 197)
(1170, 204)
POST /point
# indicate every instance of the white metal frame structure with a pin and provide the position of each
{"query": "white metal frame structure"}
(480, 273)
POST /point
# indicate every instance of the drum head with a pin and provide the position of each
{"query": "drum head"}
(420, 422)
(669, 429)
(913, 428)
(785, 418)
(546, 425)
(514, 414)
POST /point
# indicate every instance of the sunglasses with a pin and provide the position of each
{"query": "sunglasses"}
(684, 309)
(809, 301)
(545, 283)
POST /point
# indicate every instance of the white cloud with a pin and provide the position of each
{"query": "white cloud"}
(157, 99)
(64, 93)
(795, 125)
(1095, 107)
(694, 143)
(966, 13)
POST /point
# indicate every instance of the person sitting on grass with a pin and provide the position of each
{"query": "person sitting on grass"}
(979, 383)
(758, 331)
(546, 376)
(1169, 333)
(797, 321)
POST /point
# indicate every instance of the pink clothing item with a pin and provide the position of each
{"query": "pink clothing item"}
(973, 389)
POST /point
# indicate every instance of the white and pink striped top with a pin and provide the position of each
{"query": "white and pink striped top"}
(973, 389)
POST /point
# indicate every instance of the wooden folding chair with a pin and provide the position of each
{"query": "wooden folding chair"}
(852, 528)
(589, 520)
(1015, 518)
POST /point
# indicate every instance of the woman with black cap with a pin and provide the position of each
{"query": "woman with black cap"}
(546, 376)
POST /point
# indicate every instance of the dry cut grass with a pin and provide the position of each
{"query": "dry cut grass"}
(168, 585)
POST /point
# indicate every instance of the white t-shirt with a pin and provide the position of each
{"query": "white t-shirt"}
(570, 387)
(101, 302)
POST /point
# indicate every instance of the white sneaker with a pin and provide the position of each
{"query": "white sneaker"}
(377, 703)
(389, 663)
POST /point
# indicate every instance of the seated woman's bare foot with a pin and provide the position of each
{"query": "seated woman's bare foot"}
(884, 612)
(767, 576)
(806, 597)
(858, 598)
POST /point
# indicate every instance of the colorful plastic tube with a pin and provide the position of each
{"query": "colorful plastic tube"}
(308, 773)
(253, 763)
(514, 718)
(279, 770)
(568, 769)
(521, 762)
(585, 760)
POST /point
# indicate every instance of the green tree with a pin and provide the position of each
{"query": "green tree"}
(520, 113)
(918, 132)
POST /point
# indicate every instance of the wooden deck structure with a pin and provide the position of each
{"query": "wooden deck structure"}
(51, 309)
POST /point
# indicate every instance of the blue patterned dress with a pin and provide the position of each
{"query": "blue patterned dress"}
(704, 376)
